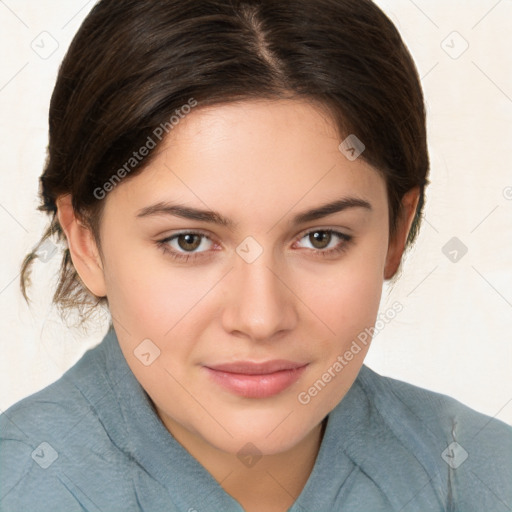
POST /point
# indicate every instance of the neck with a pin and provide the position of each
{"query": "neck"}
(272, 484)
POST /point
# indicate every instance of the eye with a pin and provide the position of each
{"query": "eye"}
(188, 242)
(186, 245)
(325, 240)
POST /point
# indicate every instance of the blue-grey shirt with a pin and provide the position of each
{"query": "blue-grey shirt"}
(92, 442)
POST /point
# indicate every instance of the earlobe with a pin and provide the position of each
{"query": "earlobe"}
(397, 244)
(82, 247)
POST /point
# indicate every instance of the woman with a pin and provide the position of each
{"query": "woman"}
(235, 180)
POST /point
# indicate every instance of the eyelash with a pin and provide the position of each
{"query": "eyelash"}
(185, 257)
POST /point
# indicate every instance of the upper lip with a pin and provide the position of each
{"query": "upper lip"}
(252, 368)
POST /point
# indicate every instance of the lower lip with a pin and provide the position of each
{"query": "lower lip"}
(256, 386)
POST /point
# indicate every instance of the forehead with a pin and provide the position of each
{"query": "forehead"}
(254, 155)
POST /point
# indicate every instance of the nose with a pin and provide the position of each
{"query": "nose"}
(259, 304)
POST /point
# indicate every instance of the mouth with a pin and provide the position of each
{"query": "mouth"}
(256, 380)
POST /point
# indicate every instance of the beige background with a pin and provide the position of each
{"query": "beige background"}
(454, 334)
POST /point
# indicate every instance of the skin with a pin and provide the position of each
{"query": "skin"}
(259, 164)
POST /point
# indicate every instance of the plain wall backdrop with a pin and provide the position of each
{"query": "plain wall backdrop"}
(454, 334)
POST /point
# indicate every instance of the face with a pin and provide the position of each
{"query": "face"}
(224, 266)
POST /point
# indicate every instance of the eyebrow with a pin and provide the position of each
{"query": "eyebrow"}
(330, 208)
(213, 217)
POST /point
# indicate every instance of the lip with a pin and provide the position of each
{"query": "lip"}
(256, 380)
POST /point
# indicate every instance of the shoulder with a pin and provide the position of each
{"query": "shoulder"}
(54, 409)
(470, 451)
(48, 436)
(442, 415)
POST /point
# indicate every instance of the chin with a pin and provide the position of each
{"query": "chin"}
(268, 433)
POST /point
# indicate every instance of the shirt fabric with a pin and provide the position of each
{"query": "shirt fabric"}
(91, 441)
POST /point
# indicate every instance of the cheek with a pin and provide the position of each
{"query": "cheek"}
(344, 312)
(152, 301)
(345, 298)
(146, 294)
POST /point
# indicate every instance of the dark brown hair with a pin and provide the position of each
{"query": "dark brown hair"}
(133, 63)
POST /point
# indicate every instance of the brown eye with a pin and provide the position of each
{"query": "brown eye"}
(189, 242)
(187, 246)
(320, 239)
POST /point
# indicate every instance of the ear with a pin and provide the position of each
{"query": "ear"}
(82, 247)
(397, 243)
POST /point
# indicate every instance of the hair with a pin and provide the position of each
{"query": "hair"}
(135, 63)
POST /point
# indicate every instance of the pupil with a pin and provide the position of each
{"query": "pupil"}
(320, 239)
(189, 242)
